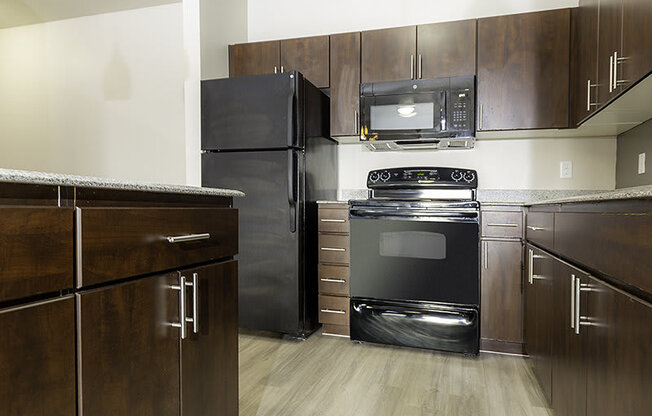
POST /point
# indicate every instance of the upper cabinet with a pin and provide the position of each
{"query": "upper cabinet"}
(389, 54)
(523, 71)
(446, 49)
(256, 58)
(309, 56)
(584, 65)
(345, 84)
(637, 40)
(609, 53)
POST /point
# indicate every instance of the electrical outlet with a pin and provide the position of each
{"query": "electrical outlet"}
(641, 163)
(566, 169)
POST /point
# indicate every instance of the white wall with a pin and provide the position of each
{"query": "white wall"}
(100, 95)
(280, 19)
(501, 164)
(223, 22)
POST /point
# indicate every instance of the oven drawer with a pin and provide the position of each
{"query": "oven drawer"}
(333, 220)
(340, 330)
(333, 280)
(502, 224)
(333, 310)
(334, 249)
(115, 243)
(540, 229)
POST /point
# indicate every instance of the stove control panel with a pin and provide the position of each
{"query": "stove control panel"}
(423, 177)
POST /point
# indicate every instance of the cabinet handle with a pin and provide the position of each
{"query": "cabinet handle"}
(337, 311)
(189, 237)
(332, 249)
(531, 276)
(411, 66)
(420, 67)
(615, 64)
(182, 306)
(533, 228)
(275, 69)
(611, 73)
(486, 254)
(588, 95)
(480, 118)
(572, 302)
(331, 220)
(355, 122)
(282, 70)
(617, 61)
(492, 224)
(195, 303)
(580, 320)
(324, 279)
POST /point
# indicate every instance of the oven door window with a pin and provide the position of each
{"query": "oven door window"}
(413, 244)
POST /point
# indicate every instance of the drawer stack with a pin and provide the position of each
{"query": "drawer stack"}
(333, 271)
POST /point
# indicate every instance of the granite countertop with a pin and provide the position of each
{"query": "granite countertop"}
(43, 178)
(637, 192)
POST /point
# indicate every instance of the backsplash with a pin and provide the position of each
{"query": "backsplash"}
(630, 145)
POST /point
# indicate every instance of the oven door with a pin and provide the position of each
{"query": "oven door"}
(401, 254)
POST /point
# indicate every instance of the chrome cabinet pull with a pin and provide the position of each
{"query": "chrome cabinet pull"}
(282, 70)
(486, 254)
(325, 279)
(331, 220)
(580, 320)
(275, 69)
(355, 122)
(480, 118)
(533, 228)
(615, 64)
(611, 73)
(572, 302)
(490, 224)
(411, 66)
(332, 249)
(531, 276)
(195, 303)
(588, 95)
(189, 237)
(617, 61)
(182, 306)
(336, 311)
(420, 67)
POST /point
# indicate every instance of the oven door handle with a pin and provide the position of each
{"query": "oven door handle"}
(467, 216)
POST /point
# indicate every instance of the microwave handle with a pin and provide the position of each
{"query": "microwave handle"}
(443, 110)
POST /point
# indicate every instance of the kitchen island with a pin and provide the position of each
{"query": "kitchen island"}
(117, 297)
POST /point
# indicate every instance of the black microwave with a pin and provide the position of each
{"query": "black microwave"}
(433, 113)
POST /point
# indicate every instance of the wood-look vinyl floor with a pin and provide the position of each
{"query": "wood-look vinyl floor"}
(327, 376)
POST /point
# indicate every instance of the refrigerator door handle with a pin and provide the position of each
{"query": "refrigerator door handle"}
(291, 113)
(292, 194)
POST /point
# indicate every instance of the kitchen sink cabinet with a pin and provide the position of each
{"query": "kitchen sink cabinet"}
(584, 62)
(523, 71)
(389, 54)
(255, 58)
(37, 358)
(345, 84)
(310, 56)
(446, 49)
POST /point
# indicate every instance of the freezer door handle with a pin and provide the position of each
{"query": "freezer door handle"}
(292, 189)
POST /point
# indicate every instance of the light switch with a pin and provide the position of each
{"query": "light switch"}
(566, 169)
(641, 163)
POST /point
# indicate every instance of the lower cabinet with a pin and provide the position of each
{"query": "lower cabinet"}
(136, 356)
(37, 359)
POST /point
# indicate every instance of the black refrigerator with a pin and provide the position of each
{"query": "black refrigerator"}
(268, 136)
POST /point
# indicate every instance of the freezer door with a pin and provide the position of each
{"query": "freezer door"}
(258, 112)
(270, 265)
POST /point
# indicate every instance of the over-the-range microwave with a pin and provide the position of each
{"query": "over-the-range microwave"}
(418, 114)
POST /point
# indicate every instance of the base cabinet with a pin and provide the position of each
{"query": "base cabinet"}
(37, 359)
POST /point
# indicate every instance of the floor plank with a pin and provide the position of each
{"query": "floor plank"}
(330, 376)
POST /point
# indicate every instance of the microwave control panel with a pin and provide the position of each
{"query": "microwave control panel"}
(423, 177)
(461, 108)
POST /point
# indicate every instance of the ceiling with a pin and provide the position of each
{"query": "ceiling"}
(26, 12)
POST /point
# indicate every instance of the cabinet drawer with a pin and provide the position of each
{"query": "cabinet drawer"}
(115, 243)
(540, 228)
(502, 224)
(334, 220)
(330, 329)
(334, 249)
(334, 280)
(333, 310)
(36, 251)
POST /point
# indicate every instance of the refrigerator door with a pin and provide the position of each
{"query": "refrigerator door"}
(270, 262)
(247, 113)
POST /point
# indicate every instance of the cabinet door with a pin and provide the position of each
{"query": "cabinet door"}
(446, 49)
(389, 54)
(255, 58)
(345, 84)
(609, 41)
(618, 353)
(37, 359)
(308, 56)
(523, 71)
(501, 310)
(128, 351)
(209, 357)
(584, 62)
(637, 40)
(569, 364)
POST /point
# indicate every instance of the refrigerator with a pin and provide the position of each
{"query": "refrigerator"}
(268, 136)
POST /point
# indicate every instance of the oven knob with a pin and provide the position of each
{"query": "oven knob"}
(469, 176)
(456, 175)
(384, 176)
(373, 177)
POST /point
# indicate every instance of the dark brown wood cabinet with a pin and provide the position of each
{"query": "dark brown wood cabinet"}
(37, 359)
(609, 47)
(446, 49)
(389, 54)
(209, 357)
(345, 84)
(523, 71)
(254, 58)
(636, 42)
(310, 56)
(584, 62)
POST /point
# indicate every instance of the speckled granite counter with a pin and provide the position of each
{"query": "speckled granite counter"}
(638, 192)
(43, 178)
